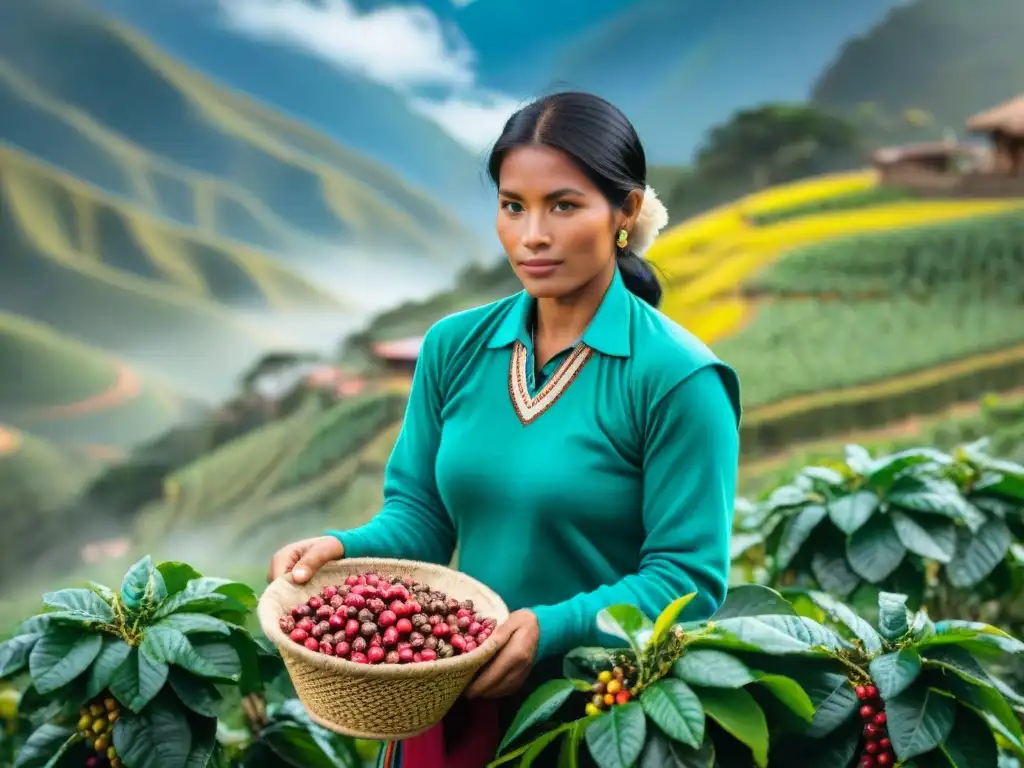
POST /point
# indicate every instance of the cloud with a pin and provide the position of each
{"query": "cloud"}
(400, 46)
(404, 47)
(474, 121)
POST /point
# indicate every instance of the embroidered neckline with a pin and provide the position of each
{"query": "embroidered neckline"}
(529, 408)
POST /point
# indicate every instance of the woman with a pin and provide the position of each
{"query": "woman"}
(577, 446)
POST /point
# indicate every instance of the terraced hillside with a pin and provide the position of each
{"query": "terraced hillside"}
(195, 152)
(66, 391)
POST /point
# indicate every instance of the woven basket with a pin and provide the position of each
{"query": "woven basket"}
(384, 702)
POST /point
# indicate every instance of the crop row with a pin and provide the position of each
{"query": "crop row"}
(859, 198)
(805, 346)
(981, 257)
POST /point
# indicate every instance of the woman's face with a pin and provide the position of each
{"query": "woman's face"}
(555, 225)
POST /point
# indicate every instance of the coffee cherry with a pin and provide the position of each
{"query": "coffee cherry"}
(428, 655)
(884, 759)
(405, 655)
(375, 654)
(880, 718)
(341, 649)
(287, 624)
(867, 712)
(299, 635)
(312, 644)
(404, 626)
(622, 697)
(861, 691)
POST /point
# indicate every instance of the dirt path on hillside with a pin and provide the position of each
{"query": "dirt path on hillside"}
(127, 385)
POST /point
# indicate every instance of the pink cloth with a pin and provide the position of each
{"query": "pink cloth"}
(472, 739)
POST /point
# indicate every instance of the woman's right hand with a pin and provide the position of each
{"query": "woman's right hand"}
(304, 558)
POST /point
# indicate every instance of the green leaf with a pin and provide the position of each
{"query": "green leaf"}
(588, 662)
(858, 459)
(834, 699)
(204, 745)
(192, 623)
(177, 575)
(223, 657)
(61, 656)
(780, 634)
(833, 573)
(959, 661)
(143, 587)
(956, 632)
(894, 672)
(977, 555)
(538, 707)
(850, 513)
(199, 695)
(990, 705)
(874, 551)
(138, 680)
(886, 469)
(786, 496)
(160, 737)
(568, 755)
(14, 653)
(80, 601)
(662, 752)
(675, 709)
(932, 496)
(669, 616)
(110, 658)
(626, 622)
(169, 646)
(919, 720)
(538, 745)
(892, 615)
(934, 540)
(45, 746)
(971, 742)
(752, 600)
(616, 738)
(797, 530)
(105, 593)
(188, 602)
(738, 713)
(841, 613)
(789, 692)
(711, 668)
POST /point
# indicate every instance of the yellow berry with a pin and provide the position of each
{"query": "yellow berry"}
(95, 710)
(111, 753)
(99, 726)
(113, 716)
(85, 723)
(102, 743)
(614, 687)
(605, 676)
(609, 699)
(110, 704)
(592, 710)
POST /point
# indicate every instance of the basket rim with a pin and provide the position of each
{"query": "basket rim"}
(268, 618)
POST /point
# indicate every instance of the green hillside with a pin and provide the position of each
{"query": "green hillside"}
(67, 391)
(194, 143)
(946, 57)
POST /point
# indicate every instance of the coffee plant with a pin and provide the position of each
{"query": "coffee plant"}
(940, 528)
(134, 677)
(765, 684)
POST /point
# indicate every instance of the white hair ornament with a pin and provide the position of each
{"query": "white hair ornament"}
(652, 219)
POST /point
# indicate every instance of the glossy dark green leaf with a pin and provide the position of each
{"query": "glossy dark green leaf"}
(661, 752)
(712, 668)
(795, 533)
(60, 656)
(538, 707)
(931, 539)
(177, 575)
(204, 745)
(160, 737)
(893, 619)
(894, 672)
(223, 657)
(789, 694)
(138, 680)
(586, 662)
(80, 601)
(738, 713)
(919, 720)
(143, 586)
(616, 738)
(833, 573)
(111, 656)
(675, 709)
(850, 513)
(626, 622)
(970, 744)
(931, 496)
(842, 614)
(194, 623)
(14, 653)
(197, 694)
(886, 469)
(978, 554)
(990, 705)
(45, 746)
(752, 600)
(874, 551)
(834, 699)
(569, 752)
(780, 634)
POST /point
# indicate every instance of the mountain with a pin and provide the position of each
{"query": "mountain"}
(945, 57)
(367, 117)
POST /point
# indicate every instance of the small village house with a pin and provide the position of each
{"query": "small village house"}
(928, 161)
(1004, 125)
(398, 356)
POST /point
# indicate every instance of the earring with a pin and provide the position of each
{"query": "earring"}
(622, 239)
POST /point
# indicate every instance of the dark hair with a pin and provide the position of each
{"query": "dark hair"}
(605, 146)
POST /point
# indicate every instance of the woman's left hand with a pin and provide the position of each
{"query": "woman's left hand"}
(507, 671)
